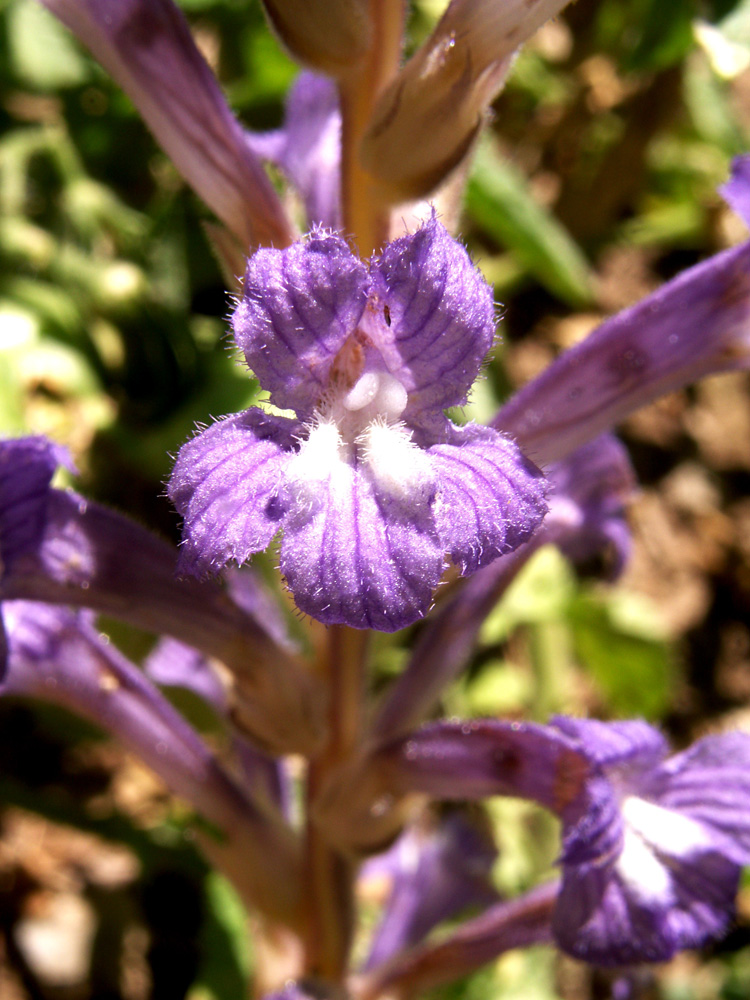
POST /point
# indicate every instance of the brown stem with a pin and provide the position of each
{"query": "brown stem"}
(365, 209)
(329, 873)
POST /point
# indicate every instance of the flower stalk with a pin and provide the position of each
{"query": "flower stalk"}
(366, 211)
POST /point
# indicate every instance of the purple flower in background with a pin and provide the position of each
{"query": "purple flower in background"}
(651, 866)
(307, 149)
(437, 868)
(27, 466)
(652, 846)
(370, 483)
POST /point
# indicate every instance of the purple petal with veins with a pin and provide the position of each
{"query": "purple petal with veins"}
(349, 556)
(432, 319)
(298, 307)
(226, 484)
(487, 496)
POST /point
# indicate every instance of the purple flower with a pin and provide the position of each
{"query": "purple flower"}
(652, 865)
(438, 867)
(308, 148)
(695, 325)
(652, 846)
(370, 483)
(58, 548)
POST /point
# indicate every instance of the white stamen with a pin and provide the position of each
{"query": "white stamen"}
(392, 397)
(377, 394)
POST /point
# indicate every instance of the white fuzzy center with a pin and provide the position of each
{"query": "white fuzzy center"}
(362, 423)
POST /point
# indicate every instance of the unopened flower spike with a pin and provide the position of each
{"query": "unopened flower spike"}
(370, 483)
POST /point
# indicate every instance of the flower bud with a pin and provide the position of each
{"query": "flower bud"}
(425, 122)
(327, 35)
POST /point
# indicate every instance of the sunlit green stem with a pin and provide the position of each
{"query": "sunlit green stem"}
(551, 657)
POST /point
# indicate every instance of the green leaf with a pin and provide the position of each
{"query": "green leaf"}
(499, 689)
(225, 963)
(621, 643)
(499, 201)
(42, 52)
(541, 592)
(666, 35)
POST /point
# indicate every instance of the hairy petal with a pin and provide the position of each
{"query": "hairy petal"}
(147, 47)
(225, 484)
(351, 558)
(297, 308)
(491, 498)
(432, 319)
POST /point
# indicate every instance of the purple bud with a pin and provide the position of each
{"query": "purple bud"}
(696, 325)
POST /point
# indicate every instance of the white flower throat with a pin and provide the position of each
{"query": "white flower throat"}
(359, 425)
